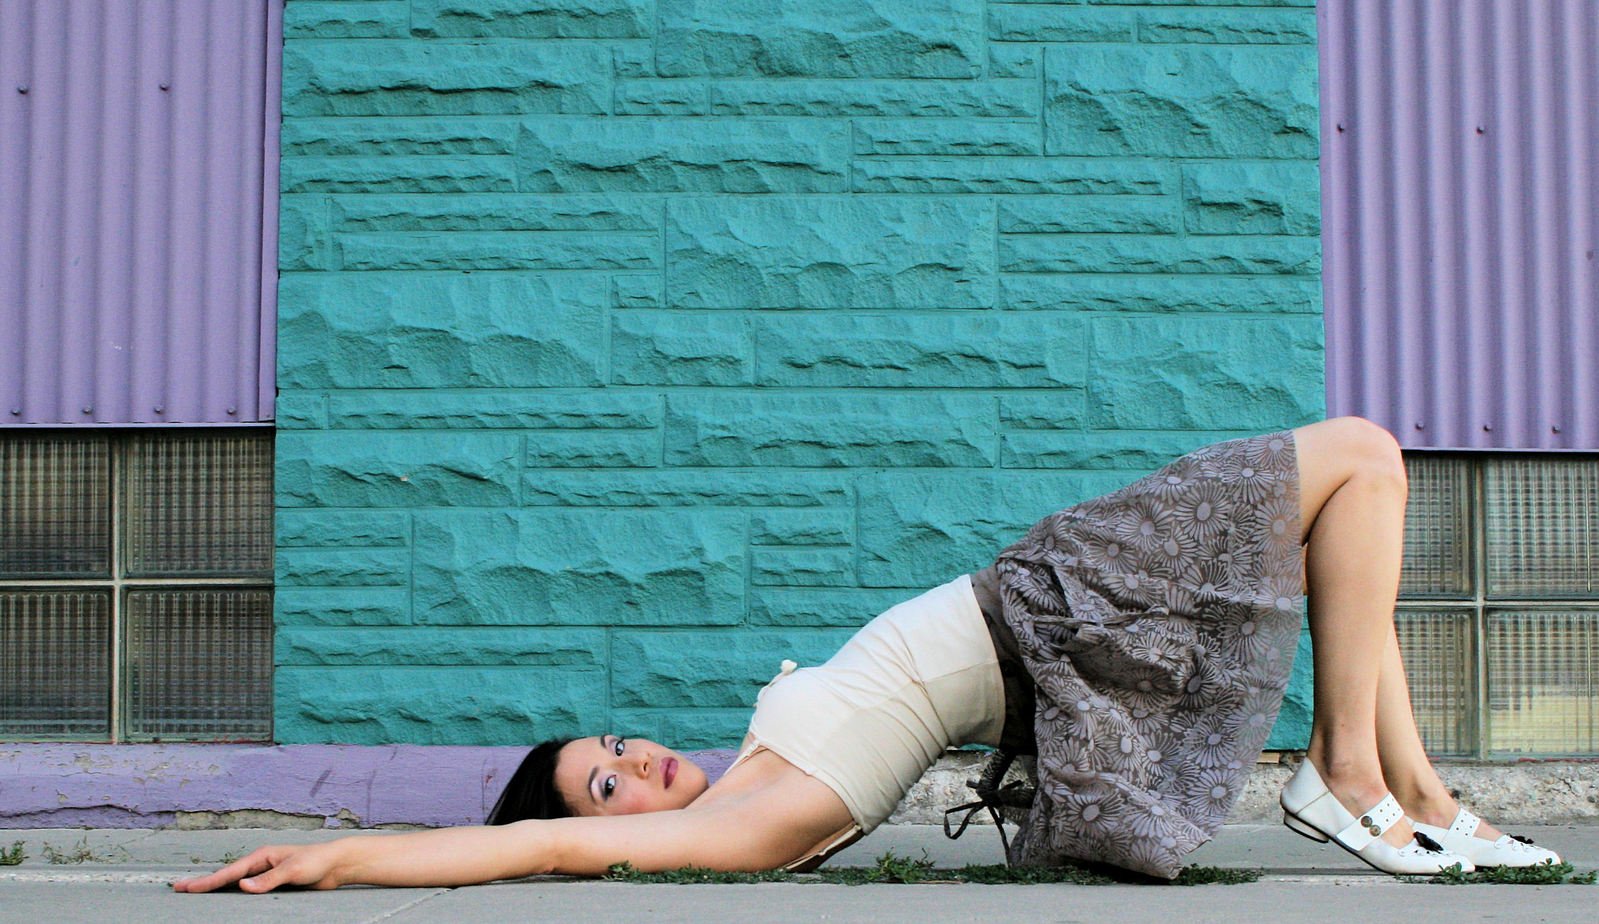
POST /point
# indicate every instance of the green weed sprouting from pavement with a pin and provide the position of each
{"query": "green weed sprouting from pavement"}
(13, 856)
(80, 853)
(1544, 874)
(892, 869)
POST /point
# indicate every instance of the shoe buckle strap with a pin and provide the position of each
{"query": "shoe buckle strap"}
(1465, 823)
(1371, 824)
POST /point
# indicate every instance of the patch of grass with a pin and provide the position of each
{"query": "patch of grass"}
(79, 853)
(14, 855)
(889, 868)
(693, 875)
(1546, 874)
(1000, 874)
(1216, 875)
(892, 869)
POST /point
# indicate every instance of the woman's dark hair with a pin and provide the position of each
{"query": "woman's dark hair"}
(531, 793)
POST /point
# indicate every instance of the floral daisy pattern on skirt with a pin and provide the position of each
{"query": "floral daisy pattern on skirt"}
(1159, 624)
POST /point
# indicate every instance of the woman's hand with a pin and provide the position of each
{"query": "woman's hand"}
(309, 865)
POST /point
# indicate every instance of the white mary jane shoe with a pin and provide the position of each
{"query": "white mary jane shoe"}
(1310, 809)
(1461, 838)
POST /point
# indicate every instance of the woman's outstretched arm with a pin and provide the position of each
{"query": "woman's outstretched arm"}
(758, 830)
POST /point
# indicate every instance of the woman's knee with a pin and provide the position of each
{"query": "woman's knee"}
(1369, 452)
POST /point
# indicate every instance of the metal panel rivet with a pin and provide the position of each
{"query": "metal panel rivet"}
(165, 87)
(160, 409)
(1420, 425)
(1487, 428)
(16, 412)
(1479, 129)
(1340, 126)
(88, 409)
(233, 410)
(22, 88)
(1554, 429)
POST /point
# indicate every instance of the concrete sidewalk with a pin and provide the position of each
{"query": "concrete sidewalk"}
(121, 875)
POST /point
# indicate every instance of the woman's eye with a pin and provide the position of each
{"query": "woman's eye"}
(609, 786)
(620, 747)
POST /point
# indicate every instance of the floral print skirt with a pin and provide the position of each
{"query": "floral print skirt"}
(1159, 624)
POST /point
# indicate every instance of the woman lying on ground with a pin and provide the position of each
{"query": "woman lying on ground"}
(1141, 641)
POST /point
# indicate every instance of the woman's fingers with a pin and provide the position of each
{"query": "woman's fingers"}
(257, 862)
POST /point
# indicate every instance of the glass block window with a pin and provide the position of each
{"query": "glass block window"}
(1498, 615)
(136, 586)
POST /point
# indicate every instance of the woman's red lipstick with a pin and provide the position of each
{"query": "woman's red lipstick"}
(668, 772)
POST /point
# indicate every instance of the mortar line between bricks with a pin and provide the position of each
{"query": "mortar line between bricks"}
(406, 907)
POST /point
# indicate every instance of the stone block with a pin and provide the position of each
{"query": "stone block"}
(434, 331)
(821, 38)
(579, 567)
(1054, 410)
(300, 410)
(1163, 294)
(371, 468)
(532, 18)
(390, 173)
(332, 19)
(382, 77)
(784, 567)
(1043, 214)
(633, 59)
(1206, 373)
(594, 449)
(636, 291)
(849, 607)
(923, 351)
(921, 529)
(708, 668)
(1014, 60)
(703, 728)
(827, 431)
(1130, 253)
(802, 527)
(1024, 175)
(485, 409)
(1009, 22)
(341, 606)
(499, 250)
(311, 137)
(1135, 450)
(469, 212)
(670, 155)
(673, 348)
(980, 99)
(1252, 198)
(829, 253)
(305, 237)
(485, 646)
(334, 528)
(1228, 27)
(947, 136)
(343, 567)
(434, 705)
(686, 489)
(666, 97)
(1182, 101)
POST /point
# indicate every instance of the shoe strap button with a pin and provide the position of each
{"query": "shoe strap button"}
(1375, 831)
(1365, 820)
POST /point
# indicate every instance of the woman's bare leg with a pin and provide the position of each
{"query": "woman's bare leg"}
(1352, 502)
(1405, 767)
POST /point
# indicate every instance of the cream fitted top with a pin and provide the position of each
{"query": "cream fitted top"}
(917, 679)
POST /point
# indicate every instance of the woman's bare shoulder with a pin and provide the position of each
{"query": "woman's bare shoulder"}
(762, 814)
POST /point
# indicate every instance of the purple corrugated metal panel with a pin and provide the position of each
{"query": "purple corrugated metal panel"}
(138, 210)
(1459, 160)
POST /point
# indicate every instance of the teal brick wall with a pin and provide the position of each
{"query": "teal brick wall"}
(628, 347)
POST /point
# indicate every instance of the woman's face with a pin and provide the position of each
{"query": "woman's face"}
(609, 775)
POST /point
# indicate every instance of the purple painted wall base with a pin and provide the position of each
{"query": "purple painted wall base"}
(334, 786)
